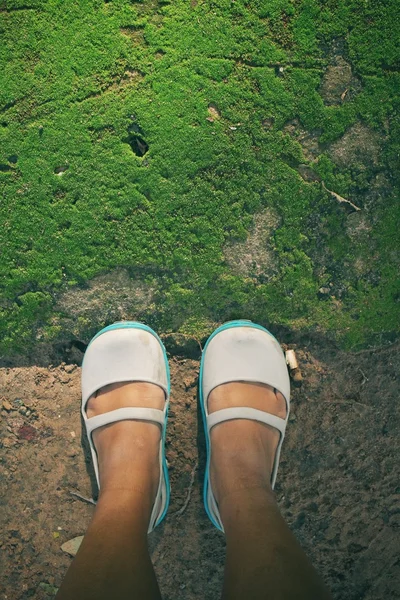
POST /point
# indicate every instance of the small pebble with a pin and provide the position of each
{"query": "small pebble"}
(7, 442)
(324, 291)
(7, 406)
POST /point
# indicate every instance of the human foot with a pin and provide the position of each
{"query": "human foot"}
(128, 451)
(243, 450)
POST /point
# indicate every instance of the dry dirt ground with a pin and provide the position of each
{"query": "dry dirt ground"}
(337, 486)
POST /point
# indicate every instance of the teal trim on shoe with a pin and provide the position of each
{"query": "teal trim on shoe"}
(227, 325)
(138, 325)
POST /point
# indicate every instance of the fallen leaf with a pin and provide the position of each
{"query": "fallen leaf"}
(213, 111)
(27, 432)
(51, 590)
(72, 546)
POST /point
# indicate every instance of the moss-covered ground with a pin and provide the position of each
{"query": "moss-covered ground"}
(147, 136)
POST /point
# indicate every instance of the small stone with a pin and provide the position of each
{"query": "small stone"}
(324, 291)
(7, 406)
(69, 368)
(7, 442)
(23, 410)
(233, 128)
(189, 382)
(27, 432)
(210, 119)
(73, 434)
(72, 546)
(296, 377)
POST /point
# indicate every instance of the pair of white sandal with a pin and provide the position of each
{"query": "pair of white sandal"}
(131, 351)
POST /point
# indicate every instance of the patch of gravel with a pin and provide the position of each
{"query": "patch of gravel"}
(308, 140)
(255, 256)
(115, 296)
(338, 84)
(359, 147)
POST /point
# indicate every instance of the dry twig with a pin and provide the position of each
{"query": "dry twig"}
(342, 401)
(364, 376)
(83, 498)
(340, 199)
(180, 512)
(386, 348)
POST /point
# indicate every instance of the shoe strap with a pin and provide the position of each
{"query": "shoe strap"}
(122, 414)
(242, 412)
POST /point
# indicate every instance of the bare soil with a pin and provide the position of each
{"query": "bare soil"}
(337, 486)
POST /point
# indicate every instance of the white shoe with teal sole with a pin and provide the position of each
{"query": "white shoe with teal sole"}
(122, 352)
(240, 351)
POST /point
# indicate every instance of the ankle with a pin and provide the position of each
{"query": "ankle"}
(116, 497)
(129, 475)
(245, 501)
(124, 508)
(242, 462)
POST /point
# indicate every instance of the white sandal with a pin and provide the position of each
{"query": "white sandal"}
(129, 351)
(240, 351)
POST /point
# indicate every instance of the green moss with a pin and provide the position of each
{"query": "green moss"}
(80, 82)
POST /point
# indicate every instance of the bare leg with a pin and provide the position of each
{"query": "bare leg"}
(113, 560)
(263, 558)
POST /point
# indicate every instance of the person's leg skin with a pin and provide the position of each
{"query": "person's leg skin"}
(113, 560)
(263, 558)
